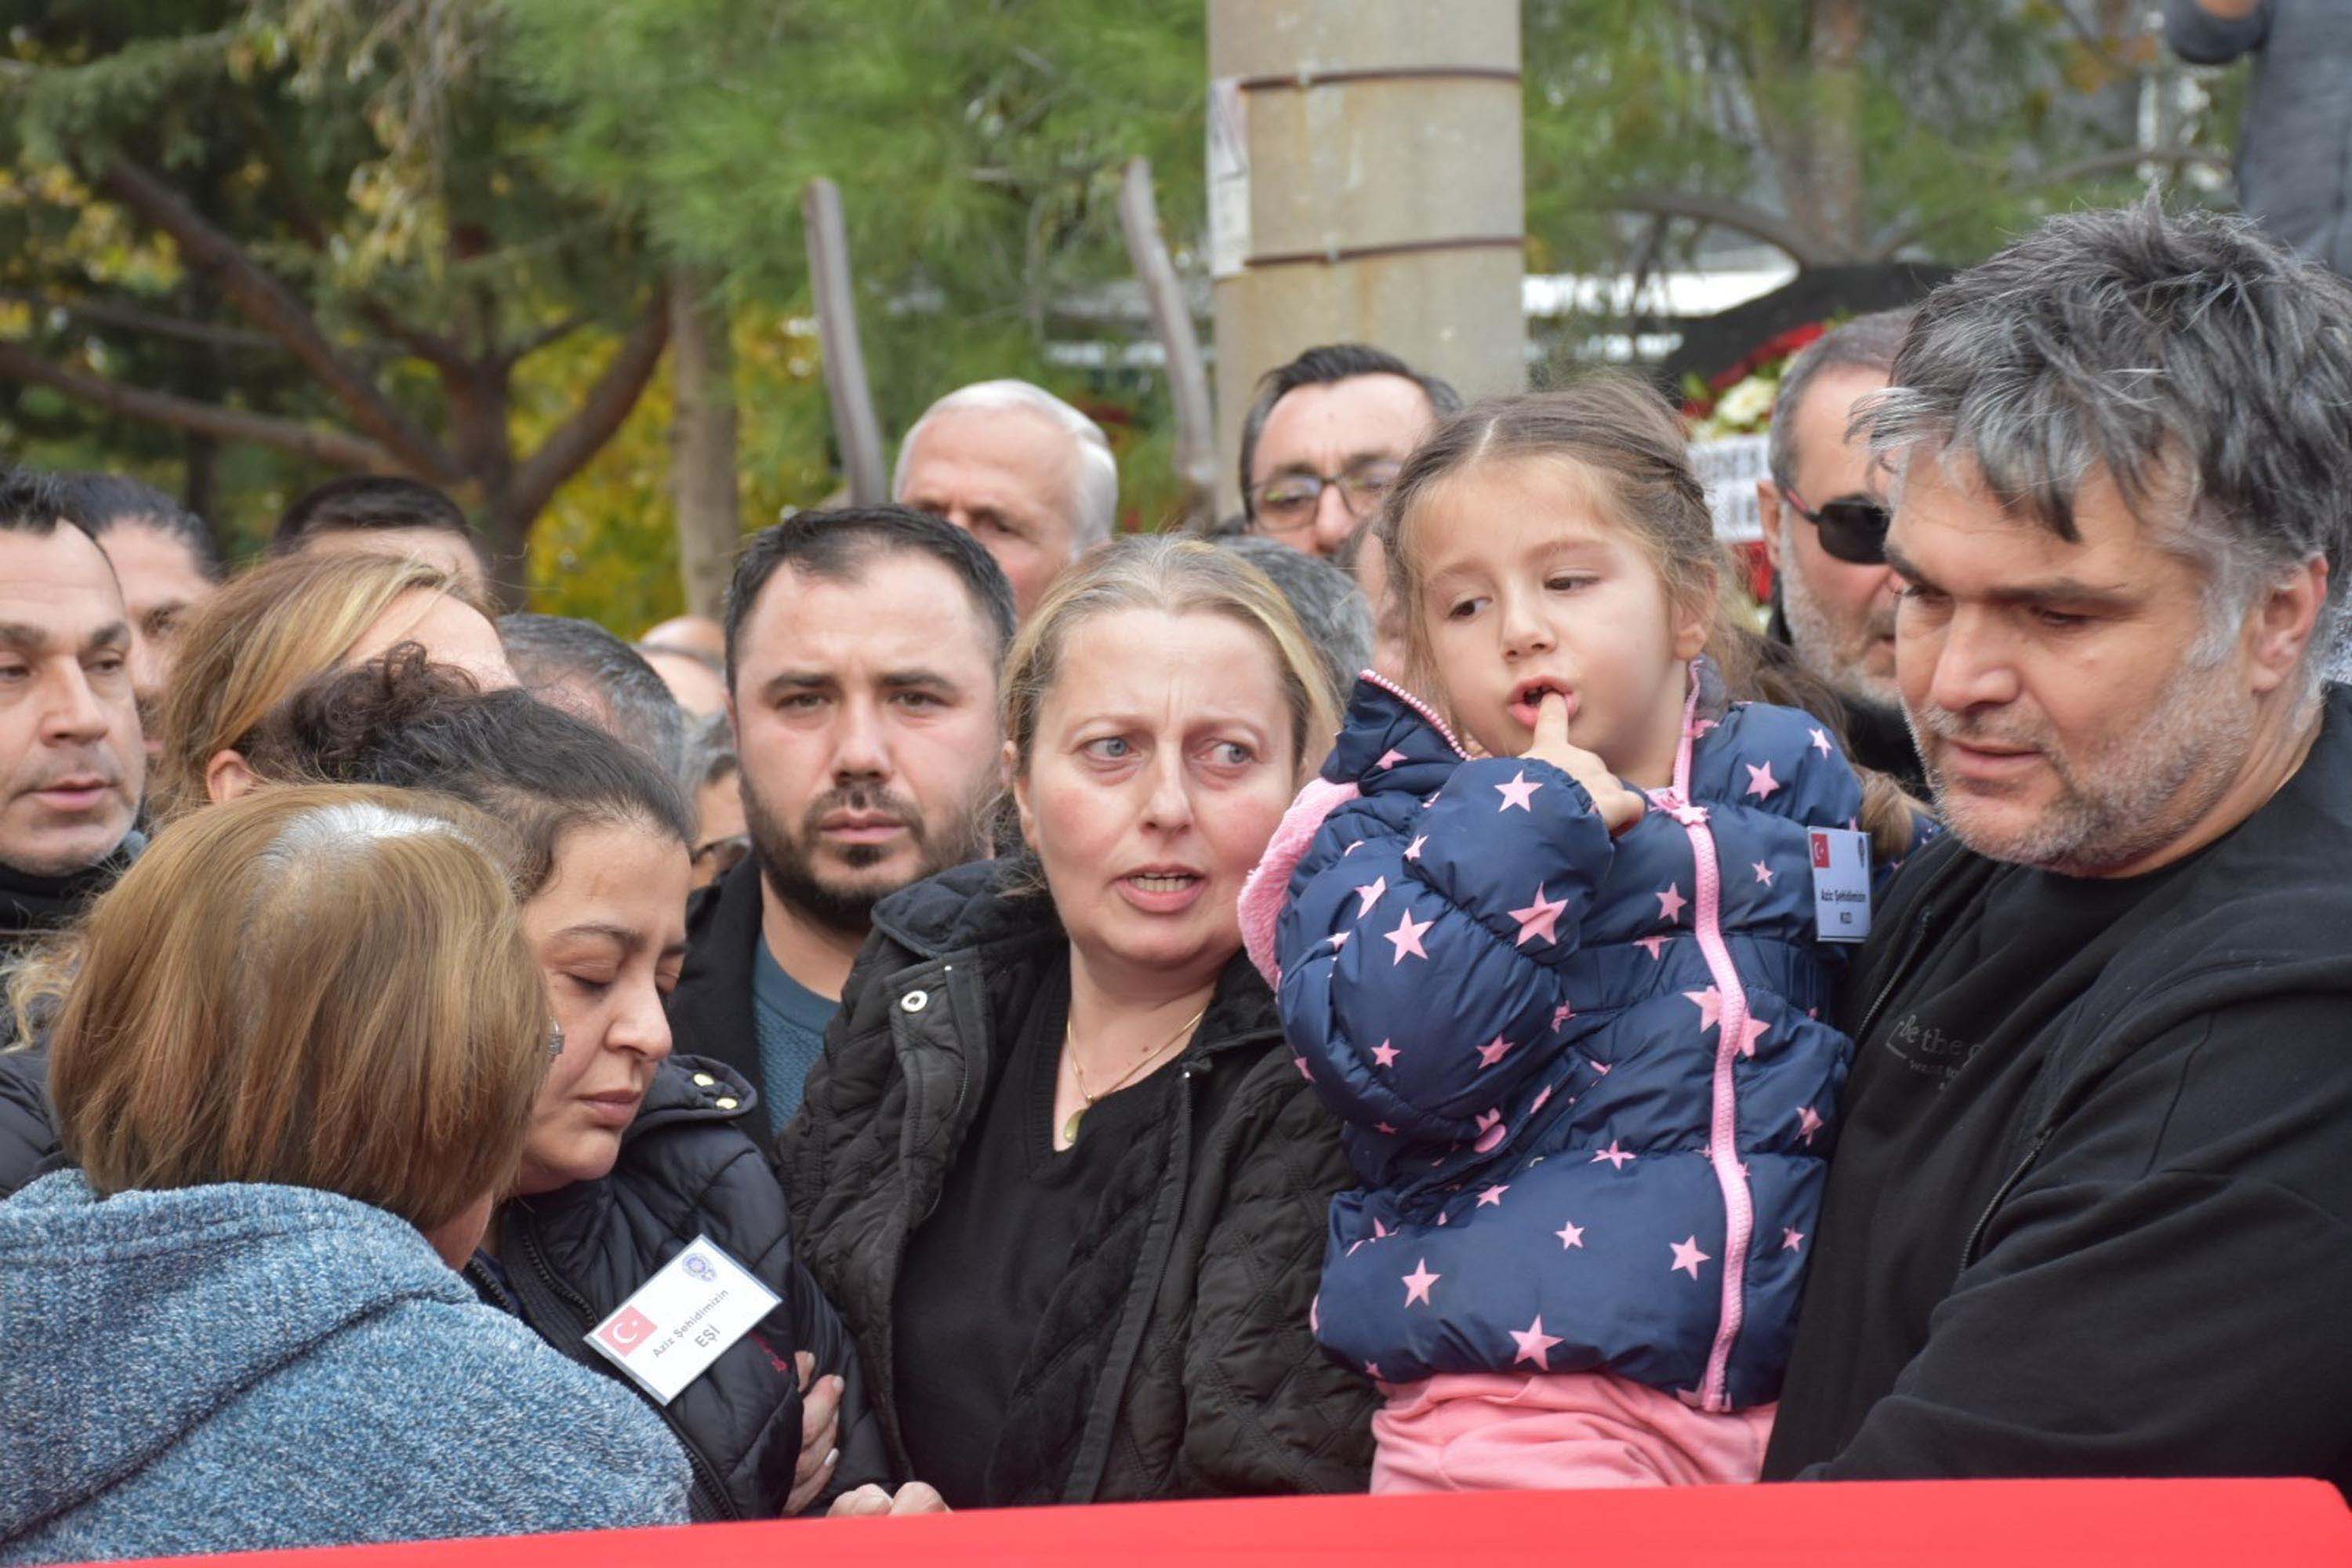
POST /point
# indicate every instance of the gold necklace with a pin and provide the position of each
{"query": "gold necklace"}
(1070, 1050)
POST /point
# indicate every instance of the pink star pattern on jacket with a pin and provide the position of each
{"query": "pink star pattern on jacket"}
(1339, 939)
(1821, 743)
(1791, 1238)
(1493, 1195)
(1671, 902)
(1385, 1053)
(1571, 1233)
(1519, 792)
(1540, 919)
(1687, 1256)
(1751, 1029)
(1300, 1063)
(1808, 1121)
(1407, 937)
(1412, 851)
(1561, 1014)
(1371, 893)
(1615, 1155)
(1391, 757)
(1760, 782)
(1417, 1283)
(1764, 873)
(1710, 1008)
(1534, 1344)
(1492, 1051)
(1656, 944)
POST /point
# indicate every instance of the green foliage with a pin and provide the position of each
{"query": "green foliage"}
(979, 148)
(481, 169)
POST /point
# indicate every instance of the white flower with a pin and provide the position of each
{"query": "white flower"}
(1748, 403)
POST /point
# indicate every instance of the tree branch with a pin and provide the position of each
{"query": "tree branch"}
(442, 352)
(547, 337)
(1730, 212)
(270, 306)
(155, 323)
(337, 448)
(600, 412)
(2131, 158)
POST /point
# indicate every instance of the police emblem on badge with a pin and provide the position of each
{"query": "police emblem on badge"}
(700, 1267)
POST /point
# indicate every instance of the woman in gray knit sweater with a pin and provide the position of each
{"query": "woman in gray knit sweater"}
(295, 1065)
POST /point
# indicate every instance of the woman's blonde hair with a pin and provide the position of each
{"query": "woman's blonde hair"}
(250, 646)
(1178, 577)
(317, 987)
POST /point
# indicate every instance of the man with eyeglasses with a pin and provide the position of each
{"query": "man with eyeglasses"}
(1325, 438)
(1824, 514)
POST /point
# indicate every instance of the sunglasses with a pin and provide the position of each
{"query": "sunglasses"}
(1851, 530)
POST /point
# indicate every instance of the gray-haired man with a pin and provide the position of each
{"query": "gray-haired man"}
(1019, 470)
(1824, 518)
(2090, 1209)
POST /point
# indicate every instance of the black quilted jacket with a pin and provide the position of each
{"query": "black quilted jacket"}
(1176, 1359)
(687, 1168)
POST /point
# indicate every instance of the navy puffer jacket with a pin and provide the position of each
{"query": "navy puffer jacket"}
(1584, 1079)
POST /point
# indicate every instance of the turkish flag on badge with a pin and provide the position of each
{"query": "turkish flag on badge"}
(627, 1330)
(1820, 849)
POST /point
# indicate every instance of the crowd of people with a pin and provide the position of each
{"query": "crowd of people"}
(1015, 1014)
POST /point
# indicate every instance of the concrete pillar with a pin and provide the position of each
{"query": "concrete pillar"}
(1366, 184)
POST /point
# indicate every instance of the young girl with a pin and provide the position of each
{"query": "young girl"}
(1564, 995)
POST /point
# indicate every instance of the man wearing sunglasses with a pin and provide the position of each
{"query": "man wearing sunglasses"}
(1325, 438)
(1824, 520)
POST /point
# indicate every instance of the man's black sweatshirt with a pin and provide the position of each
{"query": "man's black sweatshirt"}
(2091, 1210)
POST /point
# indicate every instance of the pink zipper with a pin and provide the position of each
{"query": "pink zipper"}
(1418, 706)
(1731, 1021)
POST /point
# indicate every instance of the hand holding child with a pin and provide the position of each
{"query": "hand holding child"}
(1619, 807)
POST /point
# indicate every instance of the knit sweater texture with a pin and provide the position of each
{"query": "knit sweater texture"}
(230, 1368)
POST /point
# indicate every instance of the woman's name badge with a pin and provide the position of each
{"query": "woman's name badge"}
(682, 1319)
(1841, 884)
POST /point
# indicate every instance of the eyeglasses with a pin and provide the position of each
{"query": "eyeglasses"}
(1286, 502)
(721, 856)
(1851, 530)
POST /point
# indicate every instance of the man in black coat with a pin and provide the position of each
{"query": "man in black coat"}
(72, 764)
(1823, 512)
(863, 647)
(2090, 1212)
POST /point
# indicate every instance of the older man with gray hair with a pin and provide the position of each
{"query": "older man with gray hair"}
(1824, 520)
(2091, 1212)
(1019, 470)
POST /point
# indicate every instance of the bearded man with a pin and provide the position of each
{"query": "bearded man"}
(2090, 1213)
(863, 650)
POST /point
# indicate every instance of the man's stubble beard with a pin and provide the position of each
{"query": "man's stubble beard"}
(1828, 650)
(2119, 806)
(790, 869)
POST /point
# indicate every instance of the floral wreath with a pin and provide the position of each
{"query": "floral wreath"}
(1738, 402)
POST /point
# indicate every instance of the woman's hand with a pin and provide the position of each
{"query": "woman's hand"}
(820, 1435)
(915, 1497)
(1619, 807)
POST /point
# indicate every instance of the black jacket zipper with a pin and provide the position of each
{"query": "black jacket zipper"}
(710, 1498)
(1127, 1342)
(2001, 1194)
(1911, 951)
